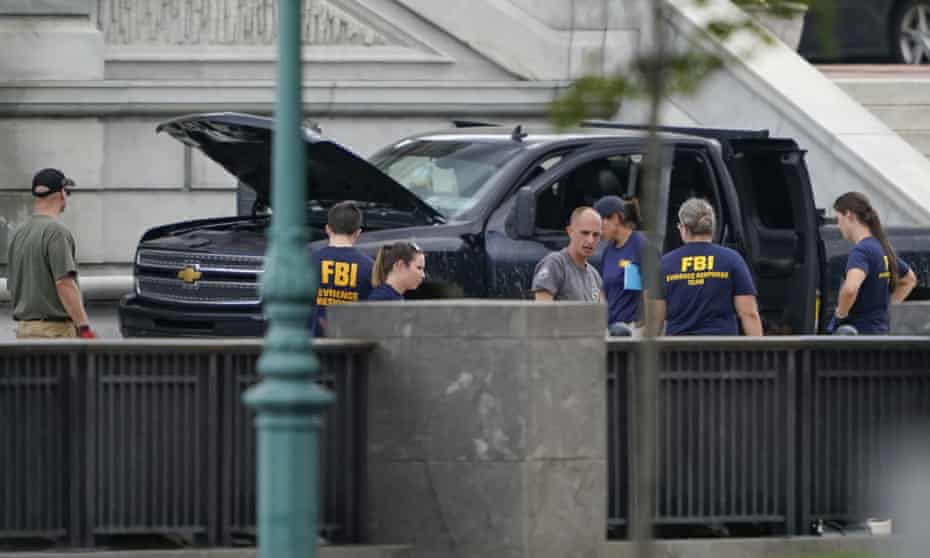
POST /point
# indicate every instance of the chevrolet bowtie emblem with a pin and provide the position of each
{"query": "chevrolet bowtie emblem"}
(189, 275)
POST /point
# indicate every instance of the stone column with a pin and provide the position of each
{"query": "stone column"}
(486, 426)
(40, 41)
(50, 40)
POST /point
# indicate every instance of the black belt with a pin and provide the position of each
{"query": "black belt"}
(53, 319)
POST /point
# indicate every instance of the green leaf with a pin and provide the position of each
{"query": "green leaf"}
(590, 97)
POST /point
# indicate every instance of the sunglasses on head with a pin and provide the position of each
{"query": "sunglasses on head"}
(412, 245)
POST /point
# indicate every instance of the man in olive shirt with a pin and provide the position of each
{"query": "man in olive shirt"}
(42, 269)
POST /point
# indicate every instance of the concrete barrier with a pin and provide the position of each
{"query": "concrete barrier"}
(487, 426)
(910, 318)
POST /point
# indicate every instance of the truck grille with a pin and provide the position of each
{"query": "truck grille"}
(216, 263)
(221, 280)
(203, 292)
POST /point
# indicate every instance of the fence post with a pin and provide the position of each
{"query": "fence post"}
(75, 441)
(791, 419)
(805, 387)
(214, 477)
(632, 425)
(88, 490)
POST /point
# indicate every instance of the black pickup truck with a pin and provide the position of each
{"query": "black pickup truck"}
(486, 203)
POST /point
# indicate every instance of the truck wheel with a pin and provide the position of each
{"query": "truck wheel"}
(910, 32)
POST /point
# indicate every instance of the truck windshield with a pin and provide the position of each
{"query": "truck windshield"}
(451, 176)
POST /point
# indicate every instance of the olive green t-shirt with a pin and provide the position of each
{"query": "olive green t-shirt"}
(41, 251)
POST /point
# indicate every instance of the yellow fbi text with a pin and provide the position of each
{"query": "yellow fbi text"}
(343, 276)
(338, 274)
(697, 263)
(326, 297)
(695, 270)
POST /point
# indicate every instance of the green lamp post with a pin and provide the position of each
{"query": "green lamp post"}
(288, 403)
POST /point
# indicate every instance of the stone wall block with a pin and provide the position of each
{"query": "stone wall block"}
(458, 318)
(566, 499)
(910, 318)
(50, 40)
(483, 509)
(567, 399)
(476, 399)
(449, 509)
(74, 145)
(565, 319)
(154, 160)
(487, 426)
(407, 486)
(393, 433)
(15, 208)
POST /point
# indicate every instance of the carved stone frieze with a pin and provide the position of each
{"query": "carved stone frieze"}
(227, 23)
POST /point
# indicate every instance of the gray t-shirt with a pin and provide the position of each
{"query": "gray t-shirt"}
(560, 276)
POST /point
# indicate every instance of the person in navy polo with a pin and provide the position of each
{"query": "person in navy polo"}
(704, 288)
(343, 270)
(875, 275)
(621, 262)
(399, 267)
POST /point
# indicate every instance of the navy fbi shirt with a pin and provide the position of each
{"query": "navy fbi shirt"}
(344, 273)
(698, 282)
(621, 271)
(385, 292)
(869, 312)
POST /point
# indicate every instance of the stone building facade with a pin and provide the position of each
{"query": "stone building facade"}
(83, 84)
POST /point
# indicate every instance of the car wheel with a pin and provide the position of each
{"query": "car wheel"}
(910, 32)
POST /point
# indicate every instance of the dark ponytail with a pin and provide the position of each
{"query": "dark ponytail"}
(389, 255)
(631, 214)
(859, 205)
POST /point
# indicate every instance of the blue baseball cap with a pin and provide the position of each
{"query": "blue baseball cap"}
(609, 205)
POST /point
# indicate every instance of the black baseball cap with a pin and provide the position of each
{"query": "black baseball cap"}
(48, 181)
(609, 205)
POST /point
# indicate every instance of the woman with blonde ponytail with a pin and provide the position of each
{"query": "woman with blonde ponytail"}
(398, 268)
(875, 276)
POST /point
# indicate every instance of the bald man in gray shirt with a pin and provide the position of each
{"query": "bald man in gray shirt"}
(566, 274)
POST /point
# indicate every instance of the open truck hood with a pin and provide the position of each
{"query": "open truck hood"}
(241, 144)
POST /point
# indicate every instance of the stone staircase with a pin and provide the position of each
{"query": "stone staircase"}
(898, 95)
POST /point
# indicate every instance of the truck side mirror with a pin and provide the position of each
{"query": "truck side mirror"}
(525, 213)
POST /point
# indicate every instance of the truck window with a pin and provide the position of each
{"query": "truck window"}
(690, 178)
(765, 179)
(541, 167)
(616, 175)
(451, 176)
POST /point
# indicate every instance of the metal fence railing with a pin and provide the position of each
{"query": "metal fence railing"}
(776, 433)
(861, 411)
(151, 437)
(343, 439)
(36, 438)
(103, 439)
